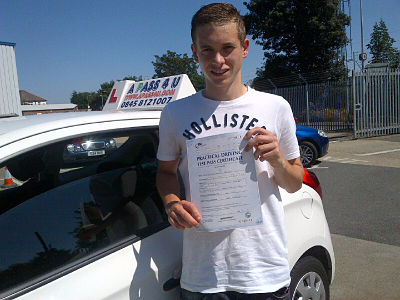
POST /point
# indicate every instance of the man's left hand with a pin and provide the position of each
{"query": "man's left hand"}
(266, 146)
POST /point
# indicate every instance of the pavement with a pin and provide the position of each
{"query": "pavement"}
(361, 201)
(347, 135)
(353, 255)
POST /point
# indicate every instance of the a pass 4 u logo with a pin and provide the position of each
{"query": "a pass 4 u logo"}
(154, 85)
(156, 92)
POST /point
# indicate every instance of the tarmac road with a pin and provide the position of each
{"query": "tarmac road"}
(360, 181)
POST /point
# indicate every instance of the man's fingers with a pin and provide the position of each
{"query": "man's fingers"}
(258, 140)
(181, 214)
(256, 130)
(175, 223)
(192, 210)
(178, 221)
(262, 150)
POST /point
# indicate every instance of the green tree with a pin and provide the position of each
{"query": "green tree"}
(381, 46)
(97, 99)
(81, 99)
(298, 36)
(103, 93)
(134, 78)
(173, 63)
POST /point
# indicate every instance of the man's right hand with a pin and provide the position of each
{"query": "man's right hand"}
(183, 214)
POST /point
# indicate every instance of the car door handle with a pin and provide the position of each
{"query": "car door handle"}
(171, 284)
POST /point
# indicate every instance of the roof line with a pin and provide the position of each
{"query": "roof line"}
(7, 44)
(70, 126)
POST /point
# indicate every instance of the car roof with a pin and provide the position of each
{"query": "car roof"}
(16, 128)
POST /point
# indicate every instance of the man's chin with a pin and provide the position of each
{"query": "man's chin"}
(219, 81)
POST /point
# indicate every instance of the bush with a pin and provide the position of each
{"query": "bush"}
(325, 115)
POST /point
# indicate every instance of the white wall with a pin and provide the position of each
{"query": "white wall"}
(10, 102)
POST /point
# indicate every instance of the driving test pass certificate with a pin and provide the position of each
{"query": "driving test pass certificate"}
(223, 182)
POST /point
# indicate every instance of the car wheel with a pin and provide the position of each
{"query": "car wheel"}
(308, 153)
(309, 280)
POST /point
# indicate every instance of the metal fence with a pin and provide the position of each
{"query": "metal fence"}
(326, 106)
(376, 103)
(367, 104)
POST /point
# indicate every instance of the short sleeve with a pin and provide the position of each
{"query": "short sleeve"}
(168, 148)
(287, 128)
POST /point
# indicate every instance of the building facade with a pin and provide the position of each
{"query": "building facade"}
(10, 103)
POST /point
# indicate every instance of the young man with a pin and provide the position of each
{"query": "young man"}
(243, 263)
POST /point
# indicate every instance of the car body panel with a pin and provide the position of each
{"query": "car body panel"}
(23, 140)
(138, 270)
(305, 133)
(310, 229)
(14, 129)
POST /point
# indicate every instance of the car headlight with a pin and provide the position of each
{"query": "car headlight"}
(322, 133)
(111, 143)
(71, 148)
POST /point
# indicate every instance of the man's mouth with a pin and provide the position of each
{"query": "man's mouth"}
(219, 72)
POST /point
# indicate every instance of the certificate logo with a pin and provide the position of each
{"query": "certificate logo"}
(198, 145)
(247, 215)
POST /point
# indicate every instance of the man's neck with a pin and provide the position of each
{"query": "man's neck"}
(225, 94)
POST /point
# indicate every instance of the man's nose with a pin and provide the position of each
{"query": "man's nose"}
(219, 58)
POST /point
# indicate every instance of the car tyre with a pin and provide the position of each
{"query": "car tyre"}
(308, 153)
(309, 280)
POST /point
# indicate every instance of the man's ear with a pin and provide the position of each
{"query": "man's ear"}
(246, 46)
(196, 58)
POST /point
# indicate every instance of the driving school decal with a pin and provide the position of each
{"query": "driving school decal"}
(151, 93)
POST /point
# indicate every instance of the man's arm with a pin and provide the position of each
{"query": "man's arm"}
(181, 213)
(288, 174)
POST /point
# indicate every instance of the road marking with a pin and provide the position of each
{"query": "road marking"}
(360, 160)
(343, 160)
(318, 167)
(326, 158)
(380, 152)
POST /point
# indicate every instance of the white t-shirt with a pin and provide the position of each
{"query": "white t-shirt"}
(250, 259)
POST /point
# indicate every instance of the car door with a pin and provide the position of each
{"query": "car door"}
(87, 226)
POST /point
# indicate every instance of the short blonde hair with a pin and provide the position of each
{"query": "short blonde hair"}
(218, 14)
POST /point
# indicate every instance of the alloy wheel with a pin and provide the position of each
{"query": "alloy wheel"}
(310, 287)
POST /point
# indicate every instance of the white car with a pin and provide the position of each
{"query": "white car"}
(99, 230)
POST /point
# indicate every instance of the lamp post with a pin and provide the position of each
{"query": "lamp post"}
(363, 56)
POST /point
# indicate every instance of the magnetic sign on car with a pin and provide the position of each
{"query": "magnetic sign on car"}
(152, 94)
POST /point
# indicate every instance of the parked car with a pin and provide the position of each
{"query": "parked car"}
(99, 231)
(84, 149)
(314, 143)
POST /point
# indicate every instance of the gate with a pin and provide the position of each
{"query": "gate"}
(376, 103)
(323, 105)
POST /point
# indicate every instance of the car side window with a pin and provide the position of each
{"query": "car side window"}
(74, 199)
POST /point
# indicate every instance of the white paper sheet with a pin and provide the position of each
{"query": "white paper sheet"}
(223, 182)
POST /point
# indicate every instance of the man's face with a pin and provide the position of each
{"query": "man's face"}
(220, 54)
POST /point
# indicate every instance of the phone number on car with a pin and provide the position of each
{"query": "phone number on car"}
(146, 102)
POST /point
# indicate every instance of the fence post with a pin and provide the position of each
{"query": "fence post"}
(355, 106)
(275, 87)
(307, 101)
(348, 95)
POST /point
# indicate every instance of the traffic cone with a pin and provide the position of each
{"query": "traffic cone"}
(8, 181)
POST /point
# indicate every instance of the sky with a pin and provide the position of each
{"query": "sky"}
(75, 45)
